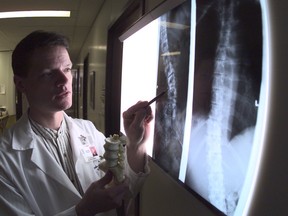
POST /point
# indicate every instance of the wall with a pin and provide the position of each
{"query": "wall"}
(6, 78)
(95, 46)
(162, 195)
(151, 4)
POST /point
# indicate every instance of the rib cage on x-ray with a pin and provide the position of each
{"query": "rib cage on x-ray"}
(232, 113)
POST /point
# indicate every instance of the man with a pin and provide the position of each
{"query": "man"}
(43, 168)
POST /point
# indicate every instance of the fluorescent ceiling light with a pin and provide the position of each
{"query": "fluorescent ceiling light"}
(100, 47)
(40, 13)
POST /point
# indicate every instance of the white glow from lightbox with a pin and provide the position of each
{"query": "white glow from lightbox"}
(139, 71)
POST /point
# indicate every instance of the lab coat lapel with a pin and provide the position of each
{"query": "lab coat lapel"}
(48, 165)
(24, 139)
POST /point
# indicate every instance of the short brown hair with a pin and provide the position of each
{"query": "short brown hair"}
(26, 47)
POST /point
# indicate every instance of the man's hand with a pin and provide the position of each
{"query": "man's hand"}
(136, 123)
(98, 198)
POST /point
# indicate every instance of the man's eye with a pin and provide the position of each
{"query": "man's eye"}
(47, 74)
(66, 70)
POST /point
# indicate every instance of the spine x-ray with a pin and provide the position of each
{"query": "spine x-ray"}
(226, 87)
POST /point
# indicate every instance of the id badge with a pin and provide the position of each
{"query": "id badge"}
(89, 153)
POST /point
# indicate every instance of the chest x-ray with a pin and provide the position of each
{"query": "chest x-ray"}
(212, 58)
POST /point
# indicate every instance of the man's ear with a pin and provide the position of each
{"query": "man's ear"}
(19, 83)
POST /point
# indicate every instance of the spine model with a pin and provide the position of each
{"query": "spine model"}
(114, 157)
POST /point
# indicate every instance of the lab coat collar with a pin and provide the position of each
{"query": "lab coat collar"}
(23, 137)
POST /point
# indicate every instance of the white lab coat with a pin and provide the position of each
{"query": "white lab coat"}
(32, 183)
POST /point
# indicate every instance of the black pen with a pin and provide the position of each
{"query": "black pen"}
(156, 98)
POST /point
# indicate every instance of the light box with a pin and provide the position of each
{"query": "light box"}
(213, 58)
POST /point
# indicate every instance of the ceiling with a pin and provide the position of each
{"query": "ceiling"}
(76, 28)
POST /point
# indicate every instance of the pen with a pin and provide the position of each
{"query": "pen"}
(156, 98)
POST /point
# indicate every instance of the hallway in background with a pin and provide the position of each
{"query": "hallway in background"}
(11, 120)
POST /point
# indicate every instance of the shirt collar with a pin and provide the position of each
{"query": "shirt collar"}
(47, 132)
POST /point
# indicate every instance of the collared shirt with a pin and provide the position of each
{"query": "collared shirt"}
(57, 143)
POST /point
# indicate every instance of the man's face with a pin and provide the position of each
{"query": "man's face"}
(48, 86)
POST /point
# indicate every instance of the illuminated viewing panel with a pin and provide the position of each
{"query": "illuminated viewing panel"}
(139, 70)
(208, 56)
